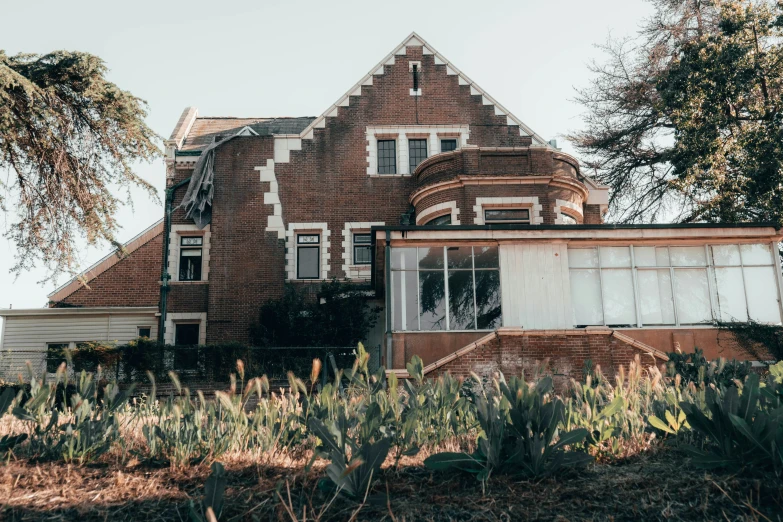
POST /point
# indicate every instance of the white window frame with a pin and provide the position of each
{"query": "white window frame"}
(400, 134)
(711, 280)
(296, 229)
(528, 202)
(178, 231)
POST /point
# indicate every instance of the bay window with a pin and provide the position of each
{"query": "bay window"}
(445, 288)
(672, 285)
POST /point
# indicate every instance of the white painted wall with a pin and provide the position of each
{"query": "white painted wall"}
(25, 337)
(535, 288)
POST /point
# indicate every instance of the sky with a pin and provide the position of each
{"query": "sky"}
(296, 58)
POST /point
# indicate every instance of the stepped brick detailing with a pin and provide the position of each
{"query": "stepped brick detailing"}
(514, 351)
(132, 280)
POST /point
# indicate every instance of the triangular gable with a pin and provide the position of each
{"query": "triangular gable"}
(414, 40)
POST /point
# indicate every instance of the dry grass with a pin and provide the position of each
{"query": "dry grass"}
(652, 486)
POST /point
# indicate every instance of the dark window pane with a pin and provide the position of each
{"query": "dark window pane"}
(432, 292)
(190, 264)
(186, 334)
(191, 241)
(486, 257)
(460, 257)
(431, 258)
(448, 145)
(507, 215)
(488, 299)
(403, 259)
(445, 219)
(362, 255)
(387, 157)
(144, 331)
(461, 316)
(362, 239)
(308, 263)
(405, 305)
(417, 152)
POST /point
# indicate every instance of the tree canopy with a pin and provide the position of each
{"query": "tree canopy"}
(68, 139)
(683, 122)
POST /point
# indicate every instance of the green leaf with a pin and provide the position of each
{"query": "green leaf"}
(655, 422)
(448, 460)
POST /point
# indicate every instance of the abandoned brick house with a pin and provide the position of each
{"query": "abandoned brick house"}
(483, 243)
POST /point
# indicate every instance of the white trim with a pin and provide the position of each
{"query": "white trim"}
(400, 132)
(559, 204)
(274, 223)
(438, 210)
(186, 317)
(352, 271)
(290, 251)
(414, 40)
(115, 310)
(513, 202)
(174, 247)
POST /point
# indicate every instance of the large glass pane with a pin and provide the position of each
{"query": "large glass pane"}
(651, 256)
(489, 314)
(582, 257)
(460, 257)
(615, 256)
(586, 297)
(431, 257)
(757, 254)
(655, 296)
(405, 305)
(619, 306)
(461, 312)
(693, 296)
(725, 255)
(403, 258)
(762, 294)
(308, 263)
(432, 291)
(731, 293)
(486, 257)
(688, 256)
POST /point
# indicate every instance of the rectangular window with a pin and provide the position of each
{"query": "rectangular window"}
(144, 331)
(387, 157)
(507, 215)
(677, 285)
(417, 152)
(186, 334)
(362, 250)
(448, 145)
(308, 256)
(190, 258)
(445, 288)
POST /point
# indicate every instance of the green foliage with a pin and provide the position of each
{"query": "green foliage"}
(741, 428)
(694, 367)
(684, 122)
(70, 137)
(519, 434)
(333, 314)
(760, 341)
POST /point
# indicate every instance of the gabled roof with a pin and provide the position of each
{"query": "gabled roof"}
(106, 262)
(414, 40)
(194, 133)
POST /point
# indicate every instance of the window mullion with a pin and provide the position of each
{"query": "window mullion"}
(473, 271)
(446, 284)
(601, 284)
(418, 291)
(712, 291)
(674, 295)
(636, 296)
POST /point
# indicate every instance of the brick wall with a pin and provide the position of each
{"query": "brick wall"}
(566, 355)
(133, 281)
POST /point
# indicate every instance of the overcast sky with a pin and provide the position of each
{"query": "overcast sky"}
(296, 58)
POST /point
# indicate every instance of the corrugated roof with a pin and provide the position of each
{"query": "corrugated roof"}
(204, 130)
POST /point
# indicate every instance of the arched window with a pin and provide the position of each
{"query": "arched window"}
(445, 219)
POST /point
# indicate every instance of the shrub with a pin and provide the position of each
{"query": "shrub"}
(694, 367)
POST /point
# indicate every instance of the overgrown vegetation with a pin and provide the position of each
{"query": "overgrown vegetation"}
(366, 424)
(760, 341)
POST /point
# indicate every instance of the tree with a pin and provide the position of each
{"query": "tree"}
(684, 122)
(334, 314)
(68, 138)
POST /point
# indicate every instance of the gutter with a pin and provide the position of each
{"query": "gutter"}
(164, 271)
(519, 226)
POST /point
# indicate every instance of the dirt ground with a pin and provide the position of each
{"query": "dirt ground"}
(659, 486)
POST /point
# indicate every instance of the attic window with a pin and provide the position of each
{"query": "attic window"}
(415, 70)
